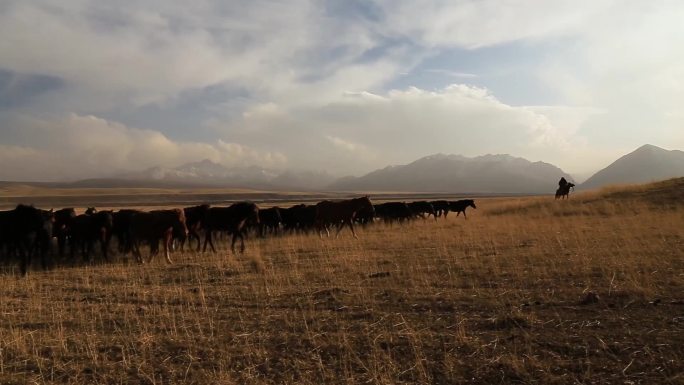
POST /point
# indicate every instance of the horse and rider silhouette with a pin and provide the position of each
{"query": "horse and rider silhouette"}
(564, 188)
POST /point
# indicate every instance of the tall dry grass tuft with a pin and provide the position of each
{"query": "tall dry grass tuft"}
(497, 298)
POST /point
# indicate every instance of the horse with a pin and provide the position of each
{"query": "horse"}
(88, 228)
(441, 207)
(393, 211)
(563, 192)
(122, 227)
(365, 216)
(299, 218)
(339, 213)
(233, 219)
(61, 230)
(460, 206)
(195, 218)
(422, 208)
(28, 230)
(269, 220)
(153, 226)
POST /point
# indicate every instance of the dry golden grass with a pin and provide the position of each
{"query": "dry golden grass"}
(503, 297)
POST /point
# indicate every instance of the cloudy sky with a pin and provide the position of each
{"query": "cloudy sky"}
(92, 88)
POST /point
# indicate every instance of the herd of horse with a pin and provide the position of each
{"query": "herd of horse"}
(27, 232)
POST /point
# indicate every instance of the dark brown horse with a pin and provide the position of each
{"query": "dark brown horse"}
(154, 226)
(195, 218)
(340, 213)
(86, 229)
(122, 228)
(233, 219)
(563, 192)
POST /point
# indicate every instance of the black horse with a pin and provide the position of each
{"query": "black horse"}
(441, 207)
(233, 219)
(299, 218)
(563, 192)
(422, 209)
(460, 206)
(64, 219)
(195, 219)
(391, 212)
(27, 231)
(269, 220)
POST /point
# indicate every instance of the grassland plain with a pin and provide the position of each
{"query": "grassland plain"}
(527, 290)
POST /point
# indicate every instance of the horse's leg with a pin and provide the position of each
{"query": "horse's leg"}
(154, 249)
(320, 226)
(351, 226)
(208, 239)
(340, 226)
(61, 243)
(44, 250)
(242, 244)
(25, 258)
(135, 249)
(235, 237)
(86, 249)
(195, 235)
(168, 238)
(72, 248)
(104, 244)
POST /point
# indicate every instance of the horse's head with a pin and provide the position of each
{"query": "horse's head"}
(471, 203)
(365, 205)
(571, 187)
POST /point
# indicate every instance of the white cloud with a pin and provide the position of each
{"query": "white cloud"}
(86, 146)
(313, 82)
(362, 131)
(474, 24)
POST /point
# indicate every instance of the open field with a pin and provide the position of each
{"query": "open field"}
(527, 290)
(116, 198)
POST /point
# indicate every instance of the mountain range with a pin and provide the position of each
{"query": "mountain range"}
(647, 163)
(460, 174)
(487, 174)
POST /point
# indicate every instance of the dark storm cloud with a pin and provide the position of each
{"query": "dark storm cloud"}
(18, 89)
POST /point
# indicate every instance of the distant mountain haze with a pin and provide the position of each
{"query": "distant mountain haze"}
(645, 164)
(208, 173)
(460, 174)
(439, 173)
